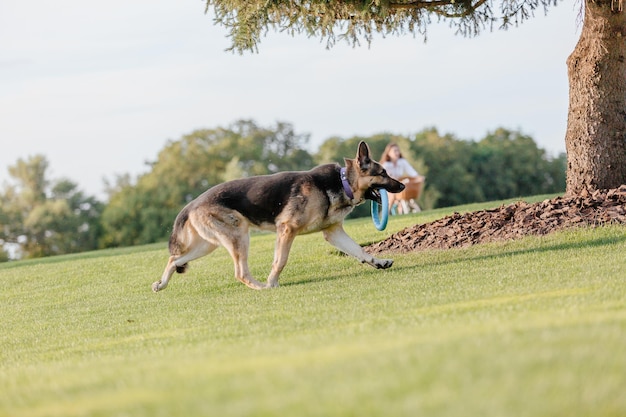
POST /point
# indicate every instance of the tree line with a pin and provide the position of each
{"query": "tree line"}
(40, 216)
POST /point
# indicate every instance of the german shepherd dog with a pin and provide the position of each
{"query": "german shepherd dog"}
(288, 203)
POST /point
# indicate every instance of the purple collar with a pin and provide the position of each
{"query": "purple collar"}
(346, 185)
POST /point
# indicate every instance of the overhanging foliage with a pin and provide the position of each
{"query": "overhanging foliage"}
(358, 20)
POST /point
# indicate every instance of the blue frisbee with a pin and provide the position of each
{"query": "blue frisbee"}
(380, 212)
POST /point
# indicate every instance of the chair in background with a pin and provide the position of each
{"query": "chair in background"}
(406, 201)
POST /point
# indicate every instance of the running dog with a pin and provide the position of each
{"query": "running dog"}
(288, 203)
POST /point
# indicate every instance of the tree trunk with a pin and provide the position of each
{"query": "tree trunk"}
(596, 124)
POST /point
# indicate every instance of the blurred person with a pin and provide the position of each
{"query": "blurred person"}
(399, 168)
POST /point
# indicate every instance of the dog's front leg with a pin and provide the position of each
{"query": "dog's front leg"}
(337, 237)
(284, 238)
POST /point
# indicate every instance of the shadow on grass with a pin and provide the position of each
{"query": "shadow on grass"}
(327, 278)
(543, 248)
(500, 253)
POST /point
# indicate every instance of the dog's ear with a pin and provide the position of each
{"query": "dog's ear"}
(363, 156)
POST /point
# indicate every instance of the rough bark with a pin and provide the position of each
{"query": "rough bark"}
(596, 126)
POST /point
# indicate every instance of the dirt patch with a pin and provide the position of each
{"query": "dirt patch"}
(508, 222)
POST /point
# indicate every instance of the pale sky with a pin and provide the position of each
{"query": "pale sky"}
(100, 87)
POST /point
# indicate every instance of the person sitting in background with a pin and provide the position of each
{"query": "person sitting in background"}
(395, 164)
(399, 168)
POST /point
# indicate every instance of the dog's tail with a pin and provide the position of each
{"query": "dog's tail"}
(176, 246)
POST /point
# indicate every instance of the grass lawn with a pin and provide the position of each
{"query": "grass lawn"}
(535, 327)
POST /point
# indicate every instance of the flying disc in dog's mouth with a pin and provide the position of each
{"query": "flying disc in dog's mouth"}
(374, 195)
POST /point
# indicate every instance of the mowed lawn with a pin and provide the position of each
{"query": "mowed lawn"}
(535, 327)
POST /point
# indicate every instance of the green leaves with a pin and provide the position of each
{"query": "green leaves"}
(357, 20)
(502, 165)
(185, 168)
(44, 217)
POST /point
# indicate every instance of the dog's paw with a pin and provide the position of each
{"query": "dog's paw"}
(156, 286)
(383, 263)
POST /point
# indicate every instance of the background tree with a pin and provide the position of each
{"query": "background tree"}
(596, 129)
(335, 149)
(448, 160)
(504, 164)
(43, 217)
(185, 168)
(121, 218)
(509, 164)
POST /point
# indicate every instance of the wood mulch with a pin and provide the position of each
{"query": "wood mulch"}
(512, 221)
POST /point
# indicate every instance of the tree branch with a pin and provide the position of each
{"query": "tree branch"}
(437, 4)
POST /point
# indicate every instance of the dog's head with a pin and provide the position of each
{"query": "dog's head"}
(368, 176)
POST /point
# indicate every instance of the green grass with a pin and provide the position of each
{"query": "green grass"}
(535, 327)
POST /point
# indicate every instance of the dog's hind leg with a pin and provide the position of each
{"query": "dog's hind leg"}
(284, 239)
(237, 246)
(179, 262)
(337, 237)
